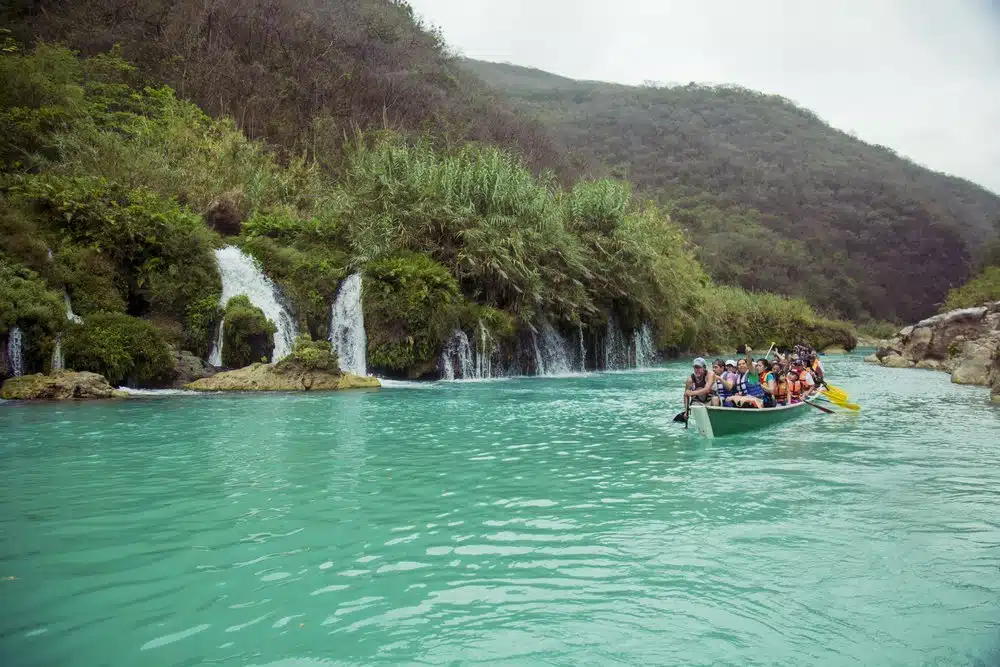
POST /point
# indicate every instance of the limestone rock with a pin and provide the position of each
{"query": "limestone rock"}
(268, 377)
(931, 365)
(60, 385)
(835, 349)
(919, 343)
(873, 359)
(974, 366)
(896, 361)
(190, 368)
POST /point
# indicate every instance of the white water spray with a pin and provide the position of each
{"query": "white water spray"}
(553, 357)
(583, 350)
(347, 327)
(70, 315)
(242, 276)
(645, 349)
(58, 362)
(215, 356)
(15, 351)
(616, 352)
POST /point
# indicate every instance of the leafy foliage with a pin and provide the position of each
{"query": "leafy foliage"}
(983, 287)
(27, 302)
(248, 336)
(119, 347)
(412, 305)
(311, 355)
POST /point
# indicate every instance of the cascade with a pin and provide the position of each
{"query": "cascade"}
(484, 353)
(241, 275)
(70, 315)
(15, 357)
(645, 350)
(215, 356)
(58, 362)
(347, 327)
(616, 352)
(583, 350)
(458, 349)
(553, 358)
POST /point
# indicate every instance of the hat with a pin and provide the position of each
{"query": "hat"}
(730, 362)
(700, 361)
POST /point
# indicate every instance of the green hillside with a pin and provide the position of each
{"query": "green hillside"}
(775, 198)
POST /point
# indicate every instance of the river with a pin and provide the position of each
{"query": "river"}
(556, 521)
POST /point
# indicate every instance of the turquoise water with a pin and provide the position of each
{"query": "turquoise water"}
(535, 521)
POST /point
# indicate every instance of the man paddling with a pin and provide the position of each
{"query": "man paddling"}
(698, 387)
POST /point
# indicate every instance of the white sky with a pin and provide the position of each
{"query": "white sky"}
(919, 76)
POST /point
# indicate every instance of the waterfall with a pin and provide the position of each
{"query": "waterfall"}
(645, 349)
(616, 352)
(241, 275)
(553, 357)
(484, 353)
(458, 349)
(347, 327)
(58, 362)
(15, 352)
(72, 317)
(583, 350)
(215, 356)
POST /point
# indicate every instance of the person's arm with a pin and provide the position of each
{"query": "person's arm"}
(707, 389)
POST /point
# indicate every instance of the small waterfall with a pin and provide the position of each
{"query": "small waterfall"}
(241, 275)
(347, 327)
(583, 350)
(215, 356)
(72, 317)
(484, 353)
(15, 352)
(616, 352)
(553, 358)
(645, 349)
(457, 358)
(58, 362)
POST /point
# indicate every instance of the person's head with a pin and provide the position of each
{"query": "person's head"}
(741, 366)
(761, 366)
(776, 367)
(796, 364)
(718, 366)
(791, 376)
(699, 366)
(730, 366)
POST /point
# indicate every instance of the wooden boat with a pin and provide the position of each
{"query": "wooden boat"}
(717, 422)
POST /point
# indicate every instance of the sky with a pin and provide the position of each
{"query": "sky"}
(919, 76)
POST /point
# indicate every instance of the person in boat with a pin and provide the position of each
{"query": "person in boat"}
(698, 387)
(816, 368)
(724, 382)
(791, 388)
(749, 392)
(767, 381)
(806, 379)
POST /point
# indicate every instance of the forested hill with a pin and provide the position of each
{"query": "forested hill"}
(775, 198)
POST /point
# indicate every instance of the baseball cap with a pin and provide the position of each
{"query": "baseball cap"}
(700, 361)
(730, 362)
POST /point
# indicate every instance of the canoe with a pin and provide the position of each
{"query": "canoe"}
(716, 422)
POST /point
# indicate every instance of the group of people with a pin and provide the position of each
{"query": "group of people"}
(761, 383)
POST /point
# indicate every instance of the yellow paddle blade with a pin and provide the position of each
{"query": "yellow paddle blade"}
(836, 400)
(832, 390)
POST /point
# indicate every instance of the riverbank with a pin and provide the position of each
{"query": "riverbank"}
(964, 342)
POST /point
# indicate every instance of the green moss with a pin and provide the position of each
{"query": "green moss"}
(311, 355)
(980, 289)
(248, 336)
(412, 304)
(119, 347)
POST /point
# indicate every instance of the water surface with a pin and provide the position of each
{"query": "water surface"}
(534, 521)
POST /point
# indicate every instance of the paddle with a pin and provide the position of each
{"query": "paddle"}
(838, 396)
(843, 404)
(826, 410)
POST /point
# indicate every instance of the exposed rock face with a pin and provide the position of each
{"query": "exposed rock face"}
(61, 385)
(267, 377)
(835, 349)
(190, 368)
(964, 342)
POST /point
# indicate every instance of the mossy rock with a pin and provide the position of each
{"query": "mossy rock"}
(248, 336)
(121, 348)
(278, 377)
(60, 385)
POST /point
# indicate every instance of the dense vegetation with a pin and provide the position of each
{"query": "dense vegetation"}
(775, 199)
(131, 189)
(983, 287)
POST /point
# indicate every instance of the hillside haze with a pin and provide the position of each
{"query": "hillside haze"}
(775, 198)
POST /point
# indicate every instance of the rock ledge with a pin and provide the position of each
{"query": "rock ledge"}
(268, 377)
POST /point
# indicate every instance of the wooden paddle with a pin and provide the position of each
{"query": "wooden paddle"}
(826, 410)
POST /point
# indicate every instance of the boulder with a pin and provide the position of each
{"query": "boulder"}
(918, 343)
(931, 365)
(59, 386)
(974, 364)
(190, 368)
(273, 377)
(225, 214)
(835, 349)
(896, 361)
(872, 359)
(887, 351)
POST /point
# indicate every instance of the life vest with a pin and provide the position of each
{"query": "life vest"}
(699, 384)
(747, 388)
(794, 388)
(780, 391)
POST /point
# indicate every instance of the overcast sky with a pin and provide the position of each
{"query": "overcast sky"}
(920, 76)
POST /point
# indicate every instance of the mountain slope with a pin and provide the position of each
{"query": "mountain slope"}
(776, 198)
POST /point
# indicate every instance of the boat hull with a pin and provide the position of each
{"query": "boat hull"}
(718, 422)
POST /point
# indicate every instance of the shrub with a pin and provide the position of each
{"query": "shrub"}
(412, 304)
(981, 288)
(248, 336)
(27, 302)
(311, 355)
(119, 347)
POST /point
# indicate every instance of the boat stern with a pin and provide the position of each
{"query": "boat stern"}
(702, 422)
